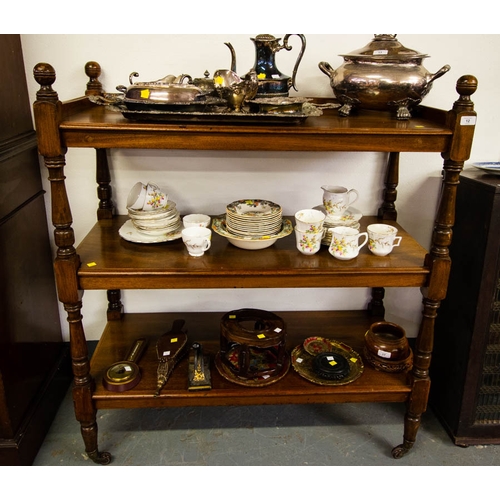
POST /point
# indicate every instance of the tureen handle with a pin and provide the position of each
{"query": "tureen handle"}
(439, 73)
(327, 69)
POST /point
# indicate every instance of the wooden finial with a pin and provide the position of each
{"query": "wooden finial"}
(45, 76)
(466, 86)
(93, 71)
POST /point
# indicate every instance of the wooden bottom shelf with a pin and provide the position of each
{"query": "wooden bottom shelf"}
(346, 326)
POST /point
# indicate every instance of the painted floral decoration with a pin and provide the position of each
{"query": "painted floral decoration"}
(156, 199)
(342, 247)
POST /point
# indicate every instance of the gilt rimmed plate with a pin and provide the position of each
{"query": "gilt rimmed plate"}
(130, 233)
(492, 167)
(253, 208)
(157, 213)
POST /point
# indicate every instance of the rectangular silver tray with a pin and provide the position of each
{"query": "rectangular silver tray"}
(211, 114)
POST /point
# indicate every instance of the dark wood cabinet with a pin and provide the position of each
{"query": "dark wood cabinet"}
(465, 391)
(34, 374)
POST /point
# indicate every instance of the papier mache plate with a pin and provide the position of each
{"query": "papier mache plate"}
(302, 360)
(263, 359)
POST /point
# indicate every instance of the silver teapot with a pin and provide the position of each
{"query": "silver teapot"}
(383, 75)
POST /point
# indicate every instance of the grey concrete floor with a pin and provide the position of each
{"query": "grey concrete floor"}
(283, 435)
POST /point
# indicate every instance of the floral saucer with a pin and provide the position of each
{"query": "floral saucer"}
(130, 233)
(349, 217)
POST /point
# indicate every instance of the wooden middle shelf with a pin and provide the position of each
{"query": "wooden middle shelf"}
(118, 264)
(344, 326)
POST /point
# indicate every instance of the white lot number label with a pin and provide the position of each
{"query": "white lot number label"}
(468, 120)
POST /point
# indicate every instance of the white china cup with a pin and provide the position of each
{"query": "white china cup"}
(308, 243)
(197, 240)
(337, 199)
(137, 196)
(310, 220)
(155, 198)
(196, 220)
(382, 238)
(345, 244)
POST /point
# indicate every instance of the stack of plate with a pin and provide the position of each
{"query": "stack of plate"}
(252, 224)
(151, 226)
(253, 218)
(349, 218)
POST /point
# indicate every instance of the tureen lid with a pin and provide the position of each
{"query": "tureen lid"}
(384, 47)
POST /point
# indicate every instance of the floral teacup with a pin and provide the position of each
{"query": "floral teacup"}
(197, 240)
(382, 239)
(345, 243)
(155, 198)
(308, 243)
(310, 220)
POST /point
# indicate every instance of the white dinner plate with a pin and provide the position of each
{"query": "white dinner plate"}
(492, 167)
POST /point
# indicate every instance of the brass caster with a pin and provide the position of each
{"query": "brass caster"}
(100, 457)
(401, 450)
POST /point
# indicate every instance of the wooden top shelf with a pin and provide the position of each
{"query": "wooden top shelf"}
(119, 264)
(85, 124)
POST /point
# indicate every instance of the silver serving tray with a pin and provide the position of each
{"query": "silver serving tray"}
(209, 114)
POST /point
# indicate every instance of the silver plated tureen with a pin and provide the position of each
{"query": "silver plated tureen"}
(383, 75)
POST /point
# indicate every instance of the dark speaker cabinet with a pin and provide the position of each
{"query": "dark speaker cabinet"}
(34, 361)
(465, 392)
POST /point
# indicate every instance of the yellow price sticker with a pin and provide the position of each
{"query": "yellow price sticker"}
(173, 341)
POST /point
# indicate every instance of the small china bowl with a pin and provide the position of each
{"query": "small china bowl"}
(196, 220)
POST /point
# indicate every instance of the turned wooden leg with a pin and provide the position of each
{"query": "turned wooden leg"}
(417, 404)
(388, 211)
(104, 191)
(376, 306)
(115, 306)
(85, 411)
